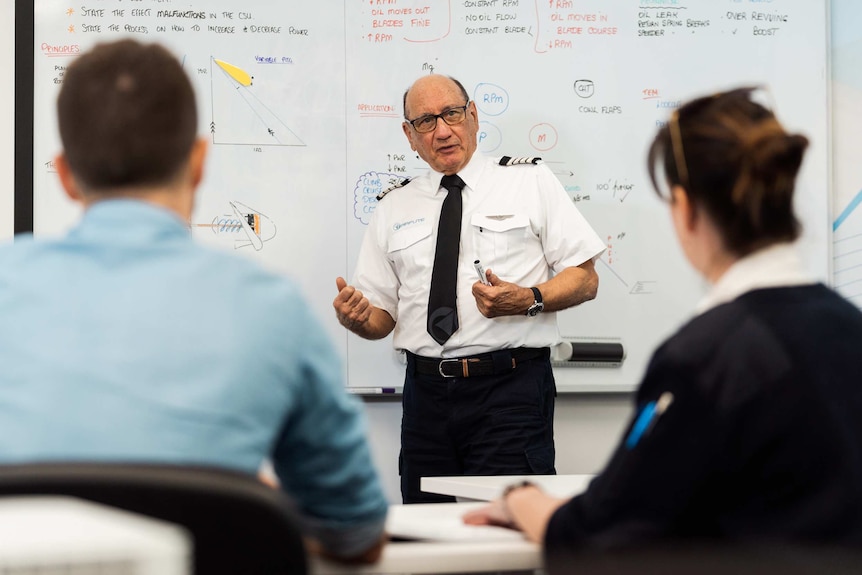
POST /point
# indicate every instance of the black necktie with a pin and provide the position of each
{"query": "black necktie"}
(442, 315)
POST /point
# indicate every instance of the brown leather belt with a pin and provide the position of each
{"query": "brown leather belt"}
(476, 365)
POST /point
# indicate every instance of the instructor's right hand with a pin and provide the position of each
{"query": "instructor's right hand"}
(351, 307)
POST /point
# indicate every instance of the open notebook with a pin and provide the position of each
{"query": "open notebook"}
(442, 522)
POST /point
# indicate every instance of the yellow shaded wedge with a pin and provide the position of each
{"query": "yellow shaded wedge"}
(235, 72)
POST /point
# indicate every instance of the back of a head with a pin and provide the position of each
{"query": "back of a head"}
(736, 162)
(127, 116)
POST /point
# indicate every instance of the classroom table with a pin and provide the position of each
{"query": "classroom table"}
(490, 487)
(455, 548)
(444, 544)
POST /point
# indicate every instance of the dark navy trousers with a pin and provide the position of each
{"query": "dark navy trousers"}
(500, 424)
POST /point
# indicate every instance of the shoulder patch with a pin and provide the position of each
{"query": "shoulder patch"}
(395, 185)
(510, 161)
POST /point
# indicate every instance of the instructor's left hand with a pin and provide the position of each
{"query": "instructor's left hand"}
(501, 298)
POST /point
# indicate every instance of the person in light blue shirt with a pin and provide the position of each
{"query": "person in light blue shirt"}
(127, 341)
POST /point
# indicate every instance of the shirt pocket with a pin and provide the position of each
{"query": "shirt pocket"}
(500, 240)
(412, 247)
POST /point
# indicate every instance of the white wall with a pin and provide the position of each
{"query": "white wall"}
(7, 118)
(586, 429)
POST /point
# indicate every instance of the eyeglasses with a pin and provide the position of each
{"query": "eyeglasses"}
(428, 122)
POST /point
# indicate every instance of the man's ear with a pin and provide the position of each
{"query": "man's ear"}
(471, 109)
(197, 161)
(67, 179)
(407, 132)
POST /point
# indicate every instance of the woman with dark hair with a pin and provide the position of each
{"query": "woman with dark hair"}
(748, 421)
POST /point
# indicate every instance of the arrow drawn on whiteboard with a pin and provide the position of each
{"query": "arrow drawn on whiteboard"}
(613, 271)
(640, 287)
(643, 287)
(563, 172)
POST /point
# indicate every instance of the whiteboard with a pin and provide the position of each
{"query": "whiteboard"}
(846, 143)
(303, 150)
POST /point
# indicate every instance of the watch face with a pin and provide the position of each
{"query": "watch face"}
(535, 309)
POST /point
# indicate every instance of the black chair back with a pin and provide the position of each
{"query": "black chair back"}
(238, 524)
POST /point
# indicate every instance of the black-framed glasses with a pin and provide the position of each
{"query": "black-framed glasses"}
(428, 122)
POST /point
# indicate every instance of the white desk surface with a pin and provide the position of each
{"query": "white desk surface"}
(453, 547)
(459, 548)
(490, 487)
(59, 534)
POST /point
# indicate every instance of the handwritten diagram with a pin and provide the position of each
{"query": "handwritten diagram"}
(847, 251)
(239, 116)
(846, 142)
(244, 227)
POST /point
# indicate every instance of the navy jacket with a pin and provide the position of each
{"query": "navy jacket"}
(758, 436)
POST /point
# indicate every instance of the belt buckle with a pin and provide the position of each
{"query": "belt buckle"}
(440, 367)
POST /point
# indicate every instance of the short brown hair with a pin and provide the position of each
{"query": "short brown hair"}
(736, 162)
(127, 116)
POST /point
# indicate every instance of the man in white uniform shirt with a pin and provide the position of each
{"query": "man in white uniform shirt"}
(479, 390)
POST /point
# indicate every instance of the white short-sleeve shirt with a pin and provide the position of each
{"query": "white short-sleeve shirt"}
(517, 220)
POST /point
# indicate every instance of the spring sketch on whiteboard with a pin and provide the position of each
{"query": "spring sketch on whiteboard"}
(244, 227)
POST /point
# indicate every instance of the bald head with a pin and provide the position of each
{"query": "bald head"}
(447, 148)
(432, 79)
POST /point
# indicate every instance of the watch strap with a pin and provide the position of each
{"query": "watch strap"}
(507, 491)
(538, 305)
(513, 486)
(537, 295)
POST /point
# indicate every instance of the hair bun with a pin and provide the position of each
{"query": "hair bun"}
(770, 161)
(771, 150)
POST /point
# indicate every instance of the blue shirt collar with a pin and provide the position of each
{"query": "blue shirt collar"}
(129, 220)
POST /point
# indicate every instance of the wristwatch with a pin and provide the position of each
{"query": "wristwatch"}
(509, 489)
(538, 305)
(519, 485)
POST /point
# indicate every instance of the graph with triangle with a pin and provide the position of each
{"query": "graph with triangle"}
(239, 116)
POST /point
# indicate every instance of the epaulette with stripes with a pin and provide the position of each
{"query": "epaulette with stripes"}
(510, 161)
(395, 186)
